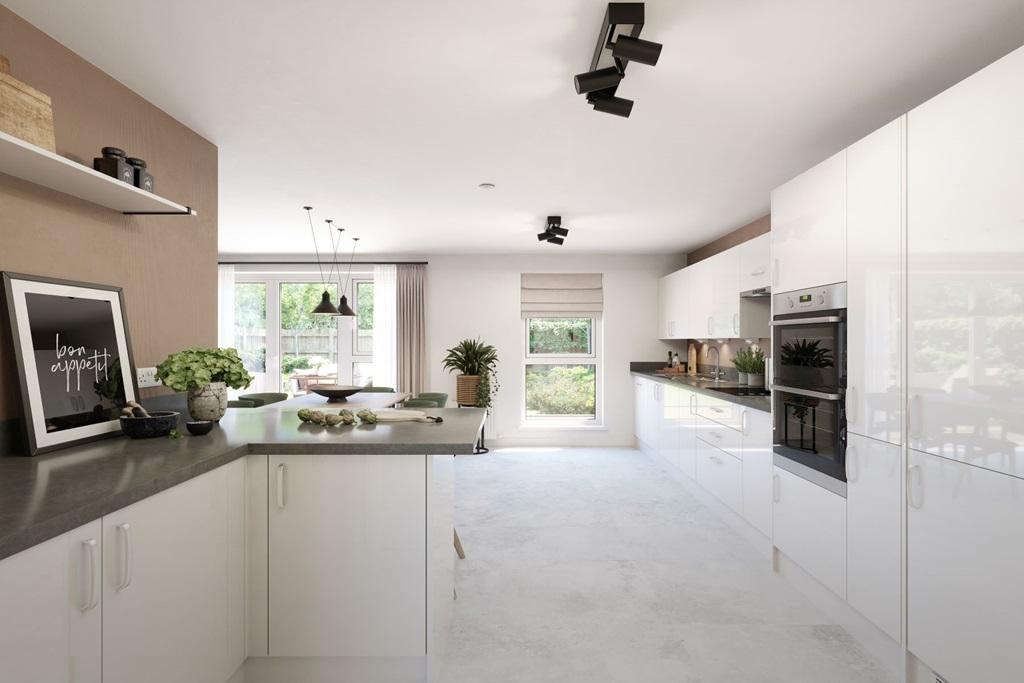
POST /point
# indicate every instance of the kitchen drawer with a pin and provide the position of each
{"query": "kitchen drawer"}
(713, 433)
(722, 412)
(720, 474)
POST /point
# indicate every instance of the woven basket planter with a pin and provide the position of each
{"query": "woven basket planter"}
(465, 389)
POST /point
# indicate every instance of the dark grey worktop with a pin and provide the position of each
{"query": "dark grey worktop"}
(44, 496)
(705, 386)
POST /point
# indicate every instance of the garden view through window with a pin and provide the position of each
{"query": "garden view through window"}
(561, 368)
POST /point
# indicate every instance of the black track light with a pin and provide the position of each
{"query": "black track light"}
(636, 50)
(613, 105)
(544, 236)
(602, 79)
(556, 240)
(558, 230)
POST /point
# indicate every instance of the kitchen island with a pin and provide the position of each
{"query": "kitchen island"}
(313, 551)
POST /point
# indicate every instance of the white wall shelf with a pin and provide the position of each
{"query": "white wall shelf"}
(40, 166)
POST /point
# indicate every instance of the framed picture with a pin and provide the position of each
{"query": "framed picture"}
(74, 358)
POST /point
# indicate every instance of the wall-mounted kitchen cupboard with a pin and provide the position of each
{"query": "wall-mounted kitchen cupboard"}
(50, 629)
(809, 228)
(756, 263)
(703, 301)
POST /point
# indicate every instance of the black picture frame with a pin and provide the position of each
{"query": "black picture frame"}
(42, 436)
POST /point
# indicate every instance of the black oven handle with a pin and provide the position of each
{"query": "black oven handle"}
(807, 392)
(808, 321)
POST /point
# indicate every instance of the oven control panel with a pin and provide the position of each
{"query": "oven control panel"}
(825, 298)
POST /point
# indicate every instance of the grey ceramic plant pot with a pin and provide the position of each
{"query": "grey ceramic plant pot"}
(755, 380)
(208, 403)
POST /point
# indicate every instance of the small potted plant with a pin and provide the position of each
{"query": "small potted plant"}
(742, 363)
(476, 364)
(205, 374)
(755, 369)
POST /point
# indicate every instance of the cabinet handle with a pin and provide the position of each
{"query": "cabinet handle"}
(711, 319)
(692, 397)
(90, 551)
(851, 464)
(914, 430)
(715, 459)
(776, 488)
(775, 273)
(759, 271)
(851, 405)
(743, 423)
(716, 436)
(127, 559)
(280, 486)
(910, 486)
(736, 323)
(717, 410)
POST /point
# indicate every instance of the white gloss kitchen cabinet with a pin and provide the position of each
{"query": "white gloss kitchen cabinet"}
(809, 526)
(965, 270)
(347, 555)
(756, 263)
(674, 305)
(965, 551)
(809, 228)
(875, 209)
(174, 583)
(756, 426)
(50, 628)
(874, 524)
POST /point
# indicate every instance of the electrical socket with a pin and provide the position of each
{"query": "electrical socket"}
(146, 378)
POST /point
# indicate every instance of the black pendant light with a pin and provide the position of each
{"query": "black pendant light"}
(325, 307)
(344, 309)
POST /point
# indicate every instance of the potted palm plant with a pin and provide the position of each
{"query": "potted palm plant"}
(476, 363)
(205, 374)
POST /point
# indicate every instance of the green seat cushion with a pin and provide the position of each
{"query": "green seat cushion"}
(264, 398)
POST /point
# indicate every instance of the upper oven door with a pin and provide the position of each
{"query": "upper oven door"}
(809, 352)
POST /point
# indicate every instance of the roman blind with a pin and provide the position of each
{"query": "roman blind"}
(547, 293)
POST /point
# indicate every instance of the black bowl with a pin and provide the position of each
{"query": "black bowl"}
(334, 392)
(199, 428)
(159, 423)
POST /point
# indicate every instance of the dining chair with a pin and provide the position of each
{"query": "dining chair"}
(440, 398)
(265, 398)
(419, 403)
(379, 390)
(239, 403)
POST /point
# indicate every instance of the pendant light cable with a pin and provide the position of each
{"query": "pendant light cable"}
(316, 249)
(355, 241)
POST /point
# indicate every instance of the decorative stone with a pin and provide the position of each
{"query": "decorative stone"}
(209, 403)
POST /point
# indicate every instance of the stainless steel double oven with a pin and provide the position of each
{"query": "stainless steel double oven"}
(809, 379)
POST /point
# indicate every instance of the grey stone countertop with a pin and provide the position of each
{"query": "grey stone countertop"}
(45, 496)
(707, 386)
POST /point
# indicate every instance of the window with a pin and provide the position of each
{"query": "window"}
(308, 342)
(363, 345)
(561, 370)
(251, 330)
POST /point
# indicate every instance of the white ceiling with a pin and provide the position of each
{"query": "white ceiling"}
(386, 114)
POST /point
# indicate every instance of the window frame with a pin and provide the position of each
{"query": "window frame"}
(356, 355)
(594, 357)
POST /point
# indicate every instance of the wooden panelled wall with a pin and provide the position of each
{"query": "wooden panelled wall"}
(737, 236)
(167, 265)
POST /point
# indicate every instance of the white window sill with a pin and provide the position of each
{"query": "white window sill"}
(563, 426)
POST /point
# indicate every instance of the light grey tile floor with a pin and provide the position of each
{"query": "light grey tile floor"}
(593, 565)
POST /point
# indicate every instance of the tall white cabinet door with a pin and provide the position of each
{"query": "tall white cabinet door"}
(167, 593)
(757, 468)
(756, 263)
(873, 531)
(50, 626)
(809, 228)
(965, 259)
(673, 302)
(875, 173)
(965, 551)
(348, 555)
(700, 308)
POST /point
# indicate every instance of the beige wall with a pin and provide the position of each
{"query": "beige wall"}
(167, 265)
(737, 236)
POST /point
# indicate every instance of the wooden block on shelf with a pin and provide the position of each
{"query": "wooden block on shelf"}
(25, 112)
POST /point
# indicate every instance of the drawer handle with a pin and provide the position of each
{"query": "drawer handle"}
(280, 486)
(776, 488)
(90, 551)
(718, 410)
(715, 459)
(736, 323)
(716, 436)
(759, 271)
(127, 559)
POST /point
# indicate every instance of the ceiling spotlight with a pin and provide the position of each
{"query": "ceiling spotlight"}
(601, 79)
(558, 230)
(556, 240)
(545, 236)
(632, 49)
(613, 105)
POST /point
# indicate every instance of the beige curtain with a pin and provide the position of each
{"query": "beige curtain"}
(412, 328)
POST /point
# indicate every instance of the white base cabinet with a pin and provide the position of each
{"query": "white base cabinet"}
(757, 469)
(173, 583)
(965, 553)
(874, 522)
(809, 526)
(348, 554)
(50, 626)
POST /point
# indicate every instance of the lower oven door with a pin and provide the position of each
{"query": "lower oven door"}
(810, 428)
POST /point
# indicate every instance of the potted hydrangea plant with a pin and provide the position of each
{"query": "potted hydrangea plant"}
(205, 374)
